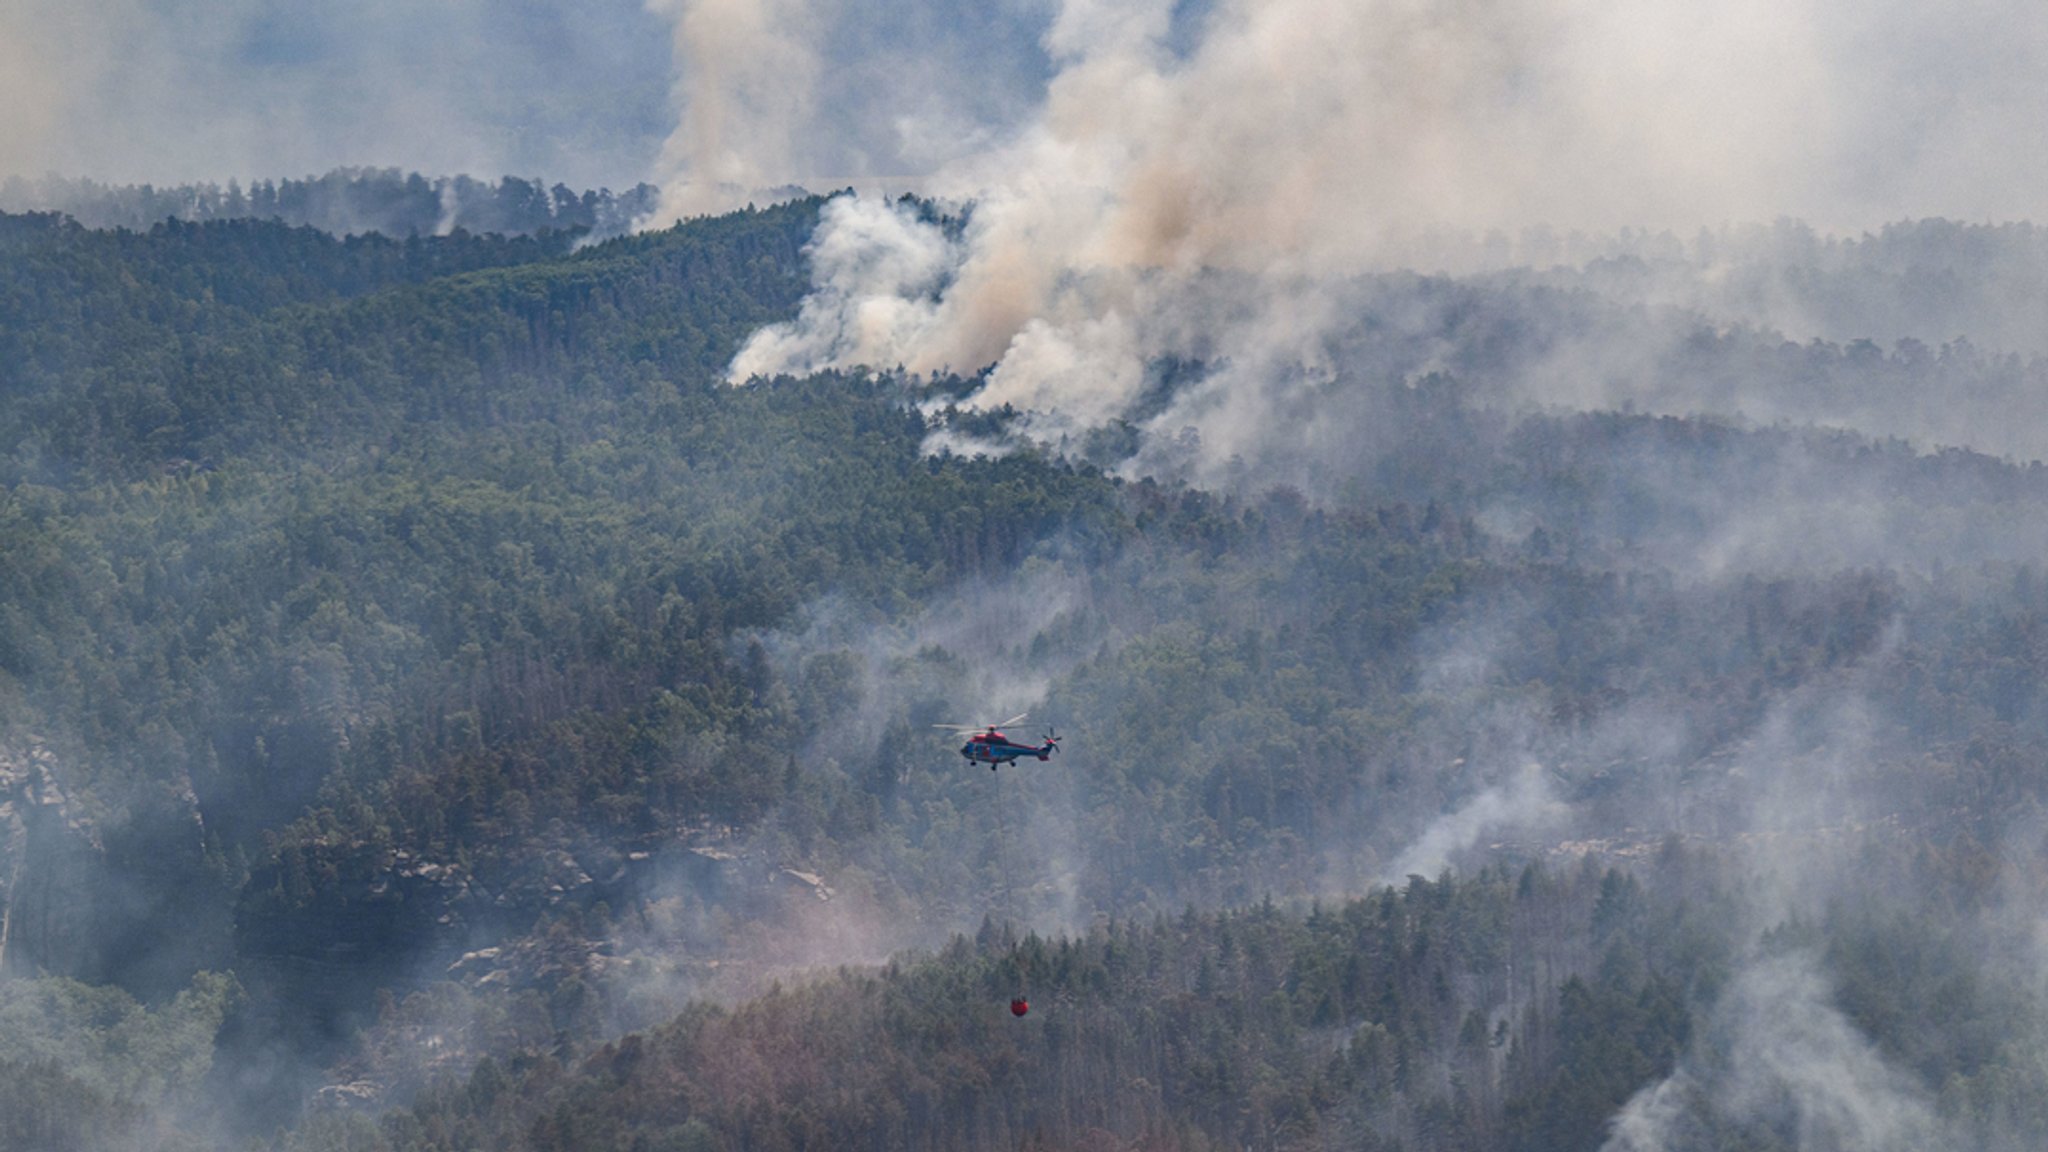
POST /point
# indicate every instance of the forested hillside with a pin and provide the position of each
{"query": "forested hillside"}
(345, 201)
(1500, 1011)
(437, 709)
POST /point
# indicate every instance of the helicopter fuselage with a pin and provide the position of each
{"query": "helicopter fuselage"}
(995, 749)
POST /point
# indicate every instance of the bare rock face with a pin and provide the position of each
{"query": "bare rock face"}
(131, 902)
(13, 847)
(53, 868)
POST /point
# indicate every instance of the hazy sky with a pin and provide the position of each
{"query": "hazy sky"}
(1864, 110)
(166, 91)
(175, 90)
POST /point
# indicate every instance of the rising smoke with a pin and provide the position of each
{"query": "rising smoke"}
(746, 74)
(1779, 1057)
(1214, 200)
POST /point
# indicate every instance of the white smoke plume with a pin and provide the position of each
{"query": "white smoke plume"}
(1779, 1056)
(1525, 803)
(877, 269)
(745, 75)
(1209, 202)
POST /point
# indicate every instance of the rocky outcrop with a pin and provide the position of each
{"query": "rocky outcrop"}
(54, 868)
(335, 922)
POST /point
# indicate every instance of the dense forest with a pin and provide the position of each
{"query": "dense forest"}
(345, 201)
(438, 711)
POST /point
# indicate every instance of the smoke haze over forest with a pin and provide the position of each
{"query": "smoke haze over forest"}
(1527, 517)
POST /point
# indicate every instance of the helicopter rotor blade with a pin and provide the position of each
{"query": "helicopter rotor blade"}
(982, 727)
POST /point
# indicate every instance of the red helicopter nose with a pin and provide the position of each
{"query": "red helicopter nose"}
(1019, 1006)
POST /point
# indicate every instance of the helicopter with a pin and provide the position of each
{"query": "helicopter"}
(987, 745)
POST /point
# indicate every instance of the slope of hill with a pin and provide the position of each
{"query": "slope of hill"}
(423, 632)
